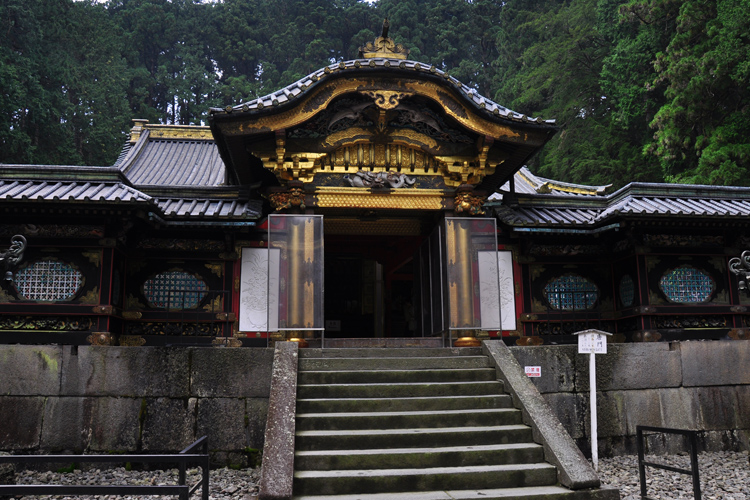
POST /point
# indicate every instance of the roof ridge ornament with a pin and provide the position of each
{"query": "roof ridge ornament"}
(384, 46)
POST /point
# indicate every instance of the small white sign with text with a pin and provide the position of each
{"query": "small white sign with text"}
(533, 371)
(592, 343)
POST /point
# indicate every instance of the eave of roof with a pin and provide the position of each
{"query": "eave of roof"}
(636, 200)
(70, 191)
(286, 96)
(172, 155)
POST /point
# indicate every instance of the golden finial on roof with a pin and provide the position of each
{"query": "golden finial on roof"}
(383, 47)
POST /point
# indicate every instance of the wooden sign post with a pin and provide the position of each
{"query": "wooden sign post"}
(593, 342)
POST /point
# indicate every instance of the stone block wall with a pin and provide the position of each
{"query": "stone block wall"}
(67, 399)
(696, 385)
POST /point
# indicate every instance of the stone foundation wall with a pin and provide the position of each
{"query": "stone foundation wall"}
(697, 385)
(64, 399)
(61, 399)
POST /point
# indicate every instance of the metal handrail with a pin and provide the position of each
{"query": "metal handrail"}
(642, 463)
(182, 489)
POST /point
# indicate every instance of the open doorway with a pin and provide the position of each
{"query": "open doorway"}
(370, 288)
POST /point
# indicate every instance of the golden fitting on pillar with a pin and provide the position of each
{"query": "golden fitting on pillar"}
(296, 336)
(470, 340)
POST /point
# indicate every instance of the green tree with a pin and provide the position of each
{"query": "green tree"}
(703, 130)
(63, 80)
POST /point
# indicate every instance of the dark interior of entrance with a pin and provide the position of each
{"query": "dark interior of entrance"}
(370, 288)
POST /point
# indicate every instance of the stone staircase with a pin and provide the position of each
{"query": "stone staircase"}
(422, 424)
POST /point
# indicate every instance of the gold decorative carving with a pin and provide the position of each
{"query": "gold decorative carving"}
(294, 197)
(321, 97)
(216, 267)
(739, 334)
(467, 203)
(386, 99)
(94, 256)
(131, 340)
(227, 342)
(424, 199)
(214, 305)
(646, 336)
(100, 338)
(92, 297)
(186, 132)
(5, 297)
(132, 302)
(383, 46)
(132, 315)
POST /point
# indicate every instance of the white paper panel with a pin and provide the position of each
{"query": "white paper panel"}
(489, 268)
(254, 290)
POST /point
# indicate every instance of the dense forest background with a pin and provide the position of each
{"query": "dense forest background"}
(645, 90)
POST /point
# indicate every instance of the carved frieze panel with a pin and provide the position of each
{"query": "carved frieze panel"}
(176, 329)
(669, 322)
(53, 231)
(682, 240)
(181, 244)
(46, 323)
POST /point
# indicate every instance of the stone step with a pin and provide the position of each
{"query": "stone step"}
(411, 438)
(392, 363)
(423, 479)
(380, 376)
(524, 493)
(392, 458)
(416, 389)
(404, 404)
(407, 419)
(406, 352)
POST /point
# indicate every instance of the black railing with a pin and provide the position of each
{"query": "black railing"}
(642, 463)
(181, 489)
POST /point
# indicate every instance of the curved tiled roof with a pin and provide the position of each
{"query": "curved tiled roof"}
(302, 86)
(172, 161)
(633, 200)
(38, 190)
(209, 208)
(528, 183)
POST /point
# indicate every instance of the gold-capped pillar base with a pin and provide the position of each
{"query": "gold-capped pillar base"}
(299, 337)
(469, 340)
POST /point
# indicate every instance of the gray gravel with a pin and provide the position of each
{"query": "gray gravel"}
(724, 476)
(224, 484)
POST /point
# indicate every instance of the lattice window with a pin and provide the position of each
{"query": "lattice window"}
(627, 290)
(571, 292)
(175, 290)
(687, 285)
(48, 280)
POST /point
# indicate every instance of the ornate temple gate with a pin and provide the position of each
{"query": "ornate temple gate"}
(442, 285)
(387, 150)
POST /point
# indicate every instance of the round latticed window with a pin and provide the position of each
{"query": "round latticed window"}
(571, 292)
(48, 280)
(174, 290)
(627, 290)
(687, 285)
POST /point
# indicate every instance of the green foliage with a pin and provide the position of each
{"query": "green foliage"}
(642, 90)
(703, 130)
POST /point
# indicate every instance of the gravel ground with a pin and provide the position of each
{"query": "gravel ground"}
(724, 476)
(224, 484)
